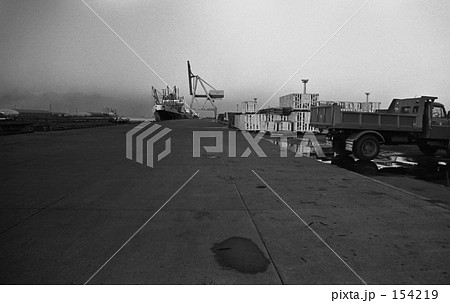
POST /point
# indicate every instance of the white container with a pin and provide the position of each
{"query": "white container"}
(285, 126)
(298, 101)
(249, 107)
(275, 117)
(249, 122)
(301, 120)
(287, 100)
(271, 126)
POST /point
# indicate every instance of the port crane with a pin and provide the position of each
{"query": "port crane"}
(207, 96)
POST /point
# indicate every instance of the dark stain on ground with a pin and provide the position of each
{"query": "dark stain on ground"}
(240, 254)
(261, 186)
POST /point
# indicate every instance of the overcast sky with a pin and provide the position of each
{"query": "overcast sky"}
(392, 49)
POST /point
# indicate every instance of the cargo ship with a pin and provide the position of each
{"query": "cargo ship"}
(170, 106)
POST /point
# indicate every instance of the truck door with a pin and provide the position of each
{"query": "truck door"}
(439, 126)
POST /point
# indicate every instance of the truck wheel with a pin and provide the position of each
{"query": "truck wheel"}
(366, 148)
(367, 168)
(428, 149)
(339, 147)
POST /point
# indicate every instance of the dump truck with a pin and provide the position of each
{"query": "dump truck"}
(421, 121)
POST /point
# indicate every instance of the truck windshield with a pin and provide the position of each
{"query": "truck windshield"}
(438, 112)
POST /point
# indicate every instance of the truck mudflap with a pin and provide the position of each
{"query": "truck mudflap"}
(349, 145)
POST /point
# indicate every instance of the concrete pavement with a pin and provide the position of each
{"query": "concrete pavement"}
(70, 200)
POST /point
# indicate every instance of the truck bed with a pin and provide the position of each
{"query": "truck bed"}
(331, 116)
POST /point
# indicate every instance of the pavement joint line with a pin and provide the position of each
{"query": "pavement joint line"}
(392, 187)
(254, 224)
(39, 210)
(309, 227)
(140, 228)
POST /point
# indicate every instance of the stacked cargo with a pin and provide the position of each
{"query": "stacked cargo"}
(250, 122)
(285, 126)
(301, 107)
(270, 126)
(349, 106)
(299, 101)
(300, 121)
(276, 119)
(248, 119)
(278, 126)
(292, 115)
(370, 106)
(249, 107)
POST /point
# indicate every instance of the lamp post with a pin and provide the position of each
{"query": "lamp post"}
(304, 85)
(367, 103)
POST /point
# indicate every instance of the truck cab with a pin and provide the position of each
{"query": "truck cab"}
(430, 114)
(436, 122)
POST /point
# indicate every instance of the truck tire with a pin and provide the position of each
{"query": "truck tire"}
(366, 148)
(428, 149)
(339, 147)
(367, 168)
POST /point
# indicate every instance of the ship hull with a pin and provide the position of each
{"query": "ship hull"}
(162, 115)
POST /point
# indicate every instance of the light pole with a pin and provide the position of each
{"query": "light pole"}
(367, 102)
(304, 85)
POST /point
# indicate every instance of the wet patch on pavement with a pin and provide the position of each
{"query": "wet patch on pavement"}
(240, 254)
